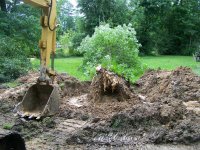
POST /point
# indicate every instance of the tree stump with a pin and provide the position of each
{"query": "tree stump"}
(108, 85)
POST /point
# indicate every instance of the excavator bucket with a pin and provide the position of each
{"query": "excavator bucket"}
(40, 100)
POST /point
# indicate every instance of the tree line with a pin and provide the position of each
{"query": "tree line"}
(163, 27)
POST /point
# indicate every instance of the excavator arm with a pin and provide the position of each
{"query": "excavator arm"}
(38, 3)
(47, 43)
(42, 99)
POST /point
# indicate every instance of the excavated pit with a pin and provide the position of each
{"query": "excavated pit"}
(162, 107)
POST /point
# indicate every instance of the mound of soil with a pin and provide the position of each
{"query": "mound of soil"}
(167, 111)
(107, 95)
(70, 86)
(162, 107)
(181, 83)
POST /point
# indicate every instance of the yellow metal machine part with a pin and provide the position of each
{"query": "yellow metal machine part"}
(42, 99)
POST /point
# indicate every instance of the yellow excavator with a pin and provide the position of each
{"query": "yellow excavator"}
(42, 99)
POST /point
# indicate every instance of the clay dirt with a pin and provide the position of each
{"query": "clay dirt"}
(160, 111)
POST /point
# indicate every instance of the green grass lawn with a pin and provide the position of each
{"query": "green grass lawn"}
(67, 65)
(71, 65)
(171, 62)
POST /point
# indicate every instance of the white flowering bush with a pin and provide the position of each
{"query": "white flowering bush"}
(115, 49)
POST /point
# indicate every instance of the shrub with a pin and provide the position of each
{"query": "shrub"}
(76, 40)
(13, 60)
(65, 44)
(69, 42)
(62, 53)
(115, 49)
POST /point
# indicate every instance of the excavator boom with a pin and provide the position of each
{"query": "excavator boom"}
(38, 3)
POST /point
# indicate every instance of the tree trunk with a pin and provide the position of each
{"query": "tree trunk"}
(3, 5)
(190, 43)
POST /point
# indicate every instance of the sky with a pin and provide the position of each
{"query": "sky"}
(73, 2)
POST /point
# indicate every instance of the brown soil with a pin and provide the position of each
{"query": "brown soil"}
(162, 107)
(180, 84)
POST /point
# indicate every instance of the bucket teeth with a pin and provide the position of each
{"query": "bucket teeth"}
(38, 117)
(23, 115)
(30, 117)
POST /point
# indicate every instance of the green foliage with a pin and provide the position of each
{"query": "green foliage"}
(65, 44)
(72, 28)
(76, 40)
(114, 12)
(62, 53)
(22, 25)
(69, 42)
(12, 84)
(7, 126)
(65, 18)
(13, 61)
(164, 27)
(167, 26)
(114, 48)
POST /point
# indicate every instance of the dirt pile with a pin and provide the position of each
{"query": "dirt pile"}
(162, 107)
(16, 94)
(181, 83)
(166, 111)
(70, 86)
(100, 99)
(176, 96)
(169, 111)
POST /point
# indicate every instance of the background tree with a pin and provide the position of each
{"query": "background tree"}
(72, 28)
(65, 13)
(114, 12)
(3, 5)
(19, 36)
(21, 23)
(168, 27)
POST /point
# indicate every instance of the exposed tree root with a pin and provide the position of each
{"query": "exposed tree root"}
(108, 85)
